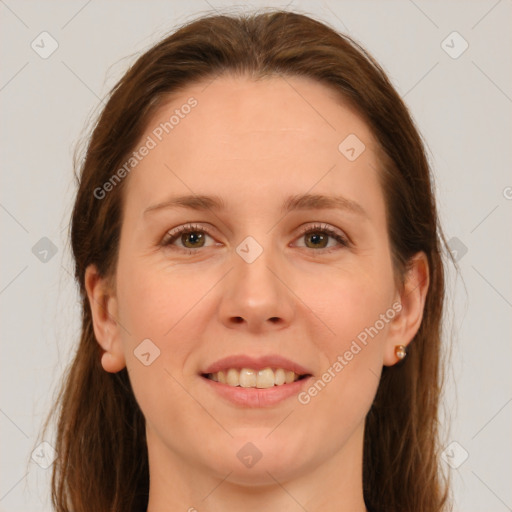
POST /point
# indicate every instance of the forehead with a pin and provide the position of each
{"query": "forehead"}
(247, 134)
(256, 112)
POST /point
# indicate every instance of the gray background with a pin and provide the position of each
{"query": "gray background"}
(462, 107)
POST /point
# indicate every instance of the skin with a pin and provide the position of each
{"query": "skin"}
(254, 144)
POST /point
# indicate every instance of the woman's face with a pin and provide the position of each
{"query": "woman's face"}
(284, 264)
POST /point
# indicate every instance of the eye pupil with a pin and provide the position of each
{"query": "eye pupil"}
(317, 238)
(194, 236)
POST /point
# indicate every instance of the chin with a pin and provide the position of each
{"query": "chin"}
(259, 459)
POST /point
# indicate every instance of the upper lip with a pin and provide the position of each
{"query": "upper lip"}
(256, 363)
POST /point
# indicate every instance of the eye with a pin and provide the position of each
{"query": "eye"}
(317, 237)
(190, 236)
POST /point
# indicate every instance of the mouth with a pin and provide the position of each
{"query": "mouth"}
(260, 372)
(263, 381)
(252, 378)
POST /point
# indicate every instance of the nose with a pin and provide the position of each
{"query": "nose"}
(255, 296)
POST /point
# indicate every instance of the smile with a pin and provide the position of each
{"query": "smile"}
(250, 378)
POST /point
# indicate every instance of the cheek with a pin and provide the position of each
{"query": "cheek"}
(154, 309)
(354, 302)
(339, 397)
(358, 311)
(158, 306)
(152, 302)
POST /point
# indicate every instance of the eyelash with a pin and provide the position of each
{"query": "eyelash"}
(172, 236)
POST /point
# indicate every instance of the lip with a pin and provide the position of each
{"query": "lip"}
(256, 363)
(254, 397)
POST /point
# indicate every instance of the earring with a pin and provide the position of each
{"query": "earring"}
(400, 351)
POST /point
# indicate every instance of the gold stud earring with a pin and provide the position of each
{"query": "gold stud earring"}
(400, 351)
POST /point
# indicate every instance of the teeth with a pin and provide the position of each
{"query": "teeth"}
(233, 377)
(290, 377)
(265, 378)
(279, 376)
(249, 378)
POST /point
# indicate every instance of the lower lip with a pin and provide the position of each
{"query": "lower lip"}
(256, 397)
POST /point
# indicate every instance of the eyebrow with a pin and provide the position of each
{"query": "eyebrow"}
(292, 203)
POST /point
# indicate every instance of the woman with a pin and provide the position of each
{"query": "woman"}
(259, 259)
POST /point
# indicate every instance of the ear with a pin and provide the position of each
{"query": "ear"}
(411, 298)
(104, 309)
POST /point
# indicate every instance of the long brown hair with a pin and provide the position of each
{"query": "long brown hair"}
(102, 462)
